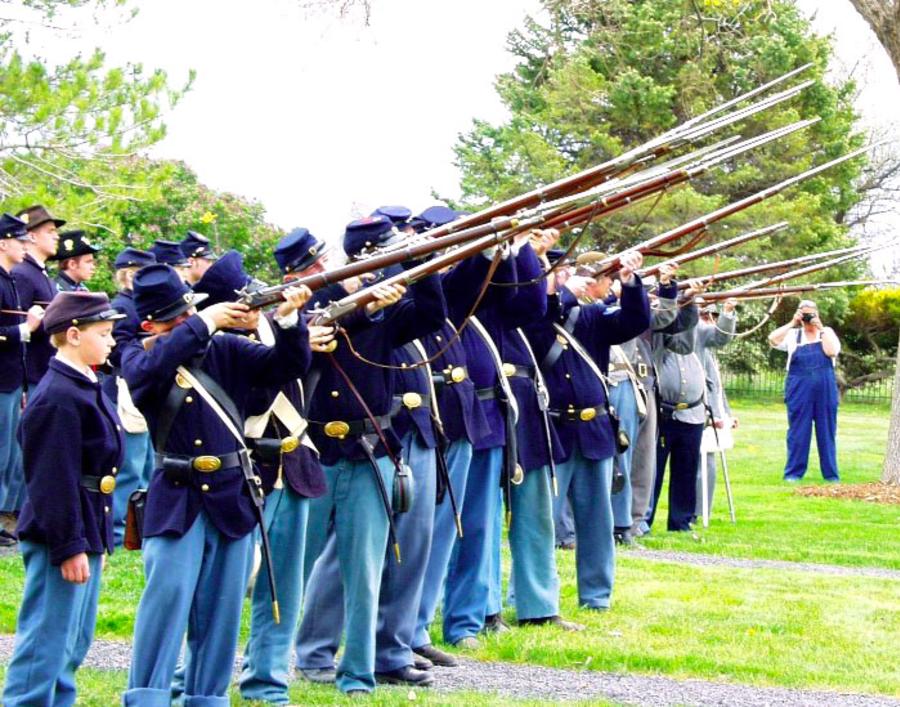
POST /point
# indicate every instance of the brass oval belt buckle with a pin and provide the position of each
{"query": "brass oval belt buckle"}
(107, 484)
(337, 429)
(681, 406)
(412, 400)
(289, 444)
(207, 463)
(587, 414)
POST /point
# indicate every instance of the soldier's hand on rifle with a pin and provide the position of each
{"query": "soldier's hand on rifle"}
(294, 298)
(578, 284)
(696, 287)
(385, 296)
(667, 272)
(34, 317)
(321, 338)
(226, 315)
(629, 262)
(543, 240)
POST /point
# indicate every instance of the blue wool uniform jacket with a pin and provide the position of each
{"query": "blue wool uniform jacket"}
(35, 286)
(571, 380)
(124, 331)
(502, 315)
(412, 380)
(237, 365)
(12, 348)
(421, 311)
(462, 286)
(461, 414)
(69, 429)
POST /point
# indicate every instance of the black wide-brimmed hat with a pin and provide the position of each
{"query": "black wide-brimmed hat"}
(78, 308)
(160, 294)
(72, 244)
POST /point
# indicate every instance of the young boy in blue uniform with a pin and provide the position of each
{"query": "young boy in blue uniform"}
(72, 448)
(198, 516)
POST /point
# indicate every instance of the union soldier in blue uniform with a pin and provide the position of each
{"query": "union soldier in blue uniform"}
(15, 331)
(138, 463)
(194, 387)
(200, 256)
(352, 515)
(35, 285)
(73, 447)
(572, 346)
(170, 253)
(464, 423)
(75, 256)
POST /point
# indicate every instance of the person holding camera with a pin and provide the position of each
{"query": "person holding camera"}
(810, 390)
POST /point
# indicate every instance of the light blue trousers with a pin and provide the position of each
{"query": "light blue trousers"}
(534, 582)
(459, 456)
(353, 512)
(53, 633)
(621, 397)
(134, 474)
(12, 477)
(266, 671)
(469, 574)
(194, 583)
(495, 596)
(589, 482)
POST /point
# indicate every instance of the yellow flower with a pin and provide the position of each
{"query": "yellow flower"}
(208, 217)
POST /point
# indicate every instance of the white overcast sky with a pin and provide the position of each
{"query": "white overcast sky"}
(322, 119)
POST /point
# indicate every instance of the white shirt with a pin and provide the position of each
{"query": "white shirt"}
(790, 343)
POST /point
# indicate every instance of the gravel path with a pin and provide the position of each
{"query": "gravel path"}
(691, 558)
(533, 682)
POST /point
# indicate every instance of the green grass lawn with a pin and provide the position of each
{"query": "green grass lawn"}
(761, 627)
(773, 521)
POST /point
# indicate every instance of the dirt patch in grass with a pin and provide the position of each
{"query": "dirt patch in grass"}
(876, 492)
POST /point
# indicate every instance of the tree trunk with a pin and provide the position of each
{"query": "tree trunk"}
(883, 17)
(891, 472)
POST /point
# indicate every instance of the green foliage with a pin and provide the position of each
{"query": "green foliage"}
(606, 75)
(182, 203)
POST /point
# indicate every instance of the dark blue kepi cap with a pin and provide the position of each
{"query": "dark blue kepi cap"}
(134, 258)
(160, 294)
(223, 279)
(78, 308)
(435, 216)
(366, 233)
(12, 227)
(298, 250)
(168, 253)
(196, 245)
(398, 215)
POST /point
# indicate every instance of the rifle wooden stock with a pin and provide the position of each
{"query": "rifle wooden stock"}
(612, 263)
(768, 267)
(715, 248)
(334, 311)
(688, 131)
(767, 292)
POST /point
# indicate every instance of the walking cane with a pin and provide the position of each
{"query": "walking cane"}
(725, 476)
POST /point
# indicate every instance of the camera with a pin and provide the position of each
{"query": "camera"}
(807, 317)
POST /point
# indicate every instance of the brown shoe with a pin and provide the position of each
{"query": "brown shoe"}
(495, 624)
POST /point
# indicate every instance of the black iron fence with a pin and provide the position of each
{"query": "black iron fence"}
(770, 384)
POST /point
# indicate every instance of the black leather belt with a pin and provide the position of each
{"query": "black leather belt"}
(578, 415)
(515, 370)
(674, 407)
(450, 375)
(486, 393)
(340, 429)
(205, 463)
(410, 401)
(105, 484)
